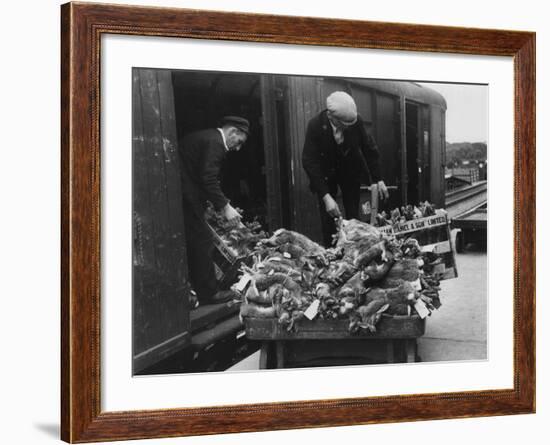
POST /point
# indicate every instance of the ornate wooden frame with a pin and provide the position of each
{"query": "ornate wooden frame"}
(81, 28)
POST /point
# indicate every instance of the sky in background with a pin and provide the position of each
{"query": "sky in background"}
(466, 111)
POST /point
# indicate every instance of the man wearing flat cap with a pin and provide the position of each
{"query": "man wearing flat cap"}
(339, 154)
(202, 154)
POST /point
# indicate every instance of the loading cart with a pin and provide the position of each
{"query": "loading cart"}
(398, 335)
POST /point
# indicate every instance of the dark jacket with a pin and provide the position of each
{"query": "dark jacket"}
(327, 164)
(201, 155)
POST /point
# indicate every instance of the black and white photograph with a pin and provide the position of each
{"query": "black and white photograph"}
(268, 222)
(287, 221)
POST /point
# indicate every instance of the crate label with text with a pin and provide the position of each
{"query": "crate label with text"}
(433, 235)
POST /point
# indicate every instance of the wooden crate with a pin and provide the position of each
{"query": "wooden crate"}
(226, 263)
(434, 235)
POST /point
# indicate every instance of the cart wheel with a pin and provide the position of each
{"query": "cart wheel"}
(459, 242)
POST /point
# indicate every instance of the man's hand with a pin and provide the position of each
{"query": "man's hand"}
(382, 190)
(331, 206)
(231, 214)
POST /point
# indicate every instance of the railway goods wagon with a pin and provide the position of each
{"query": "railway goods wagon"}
(265, 178)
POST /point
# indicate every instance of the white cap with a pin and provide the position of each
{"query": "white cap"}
(342, 107)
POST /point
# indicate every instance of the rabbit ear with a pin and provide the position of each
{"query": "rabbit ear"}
(383, 308)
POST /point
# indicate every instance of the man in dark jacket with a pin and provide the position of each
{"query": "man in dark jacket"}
(202, 154)
(339, 153)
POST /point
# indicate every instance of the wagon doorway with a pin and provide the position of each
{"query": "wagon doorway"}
(256, 178)
(417, 153)
(201, 99)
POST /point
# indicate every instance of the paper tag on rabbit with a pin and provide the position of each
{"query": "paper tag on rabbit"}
(241, 284)
(312, 310)
(416, 284)
(421, 308)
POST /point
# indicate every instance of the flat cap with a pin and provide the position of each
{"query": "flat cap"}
(238, 122)
(342, 106)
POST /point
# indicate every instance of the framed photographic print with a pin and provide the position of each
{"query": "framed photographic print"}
(278, 222)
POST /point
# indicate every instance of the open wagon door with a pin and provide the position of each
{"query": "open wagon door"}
(160, 286)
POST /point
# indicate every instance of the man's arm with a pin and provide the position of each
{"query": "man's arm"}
(311, 160)
(210, 173)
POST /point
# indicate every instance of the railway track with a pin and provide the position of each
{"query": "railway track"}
(464, 199)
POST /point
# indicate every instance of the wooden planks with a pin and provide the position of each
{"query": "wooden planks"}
(437, 155)
(304, 102)
(390, 141)
(210, 313)
(387, 327)
(160, 304)
(272, 146)
(223, 329)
